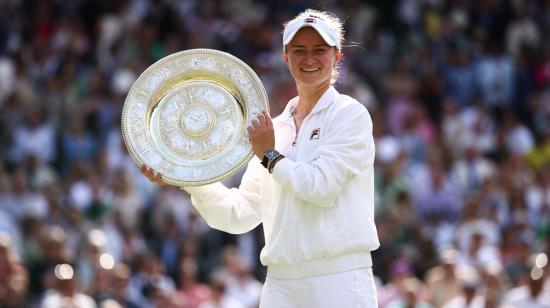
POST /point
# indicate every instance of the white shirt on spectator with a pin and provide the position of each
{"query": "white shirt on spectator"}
(225, 302)
(520, 140)
(39, 142)
(79, 300)
(460, 302)
(520, 297)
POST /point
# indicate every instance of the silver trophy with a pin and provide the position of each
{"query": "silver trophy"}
(186, 116)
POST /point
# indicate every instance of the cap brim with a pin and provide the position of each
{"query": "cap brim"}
(324, 30)
(317, 28)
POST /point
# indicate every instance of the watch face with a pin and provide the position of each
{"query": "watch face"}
(271, 154)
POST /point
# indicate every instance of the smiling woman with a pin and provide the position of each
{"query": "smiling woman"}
(326, 25)
(312, 191)
(310, 60)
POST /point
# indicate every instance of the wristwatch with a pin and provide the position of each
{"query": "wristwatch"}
(269, 157)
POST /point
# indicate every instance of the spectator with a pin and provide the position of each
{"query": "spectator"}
(22, 202)
(470, 171)
(77, 144)
(411, 296)
(442, 280)
(495, 284)
(219, 297)
(36, 136)
(470, 295)
(246, 288)
(149, 282)
(119, 291)
(519, 139)
(460, 76)
(400, 285)
(13, 275)
(65, 292)
(438, 201)
(495, 77)
(532, 293)
(522, 31)
(191, 293)
(127, 203)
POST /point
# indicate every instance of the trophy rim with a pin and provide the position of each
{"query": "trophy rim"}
(217, 78)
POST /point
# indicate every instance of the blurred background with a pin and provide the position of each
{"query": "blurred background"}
(459, 92)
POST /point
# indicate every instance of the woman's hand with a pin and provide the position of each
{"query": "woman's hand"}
(152, 175)
(261, 134)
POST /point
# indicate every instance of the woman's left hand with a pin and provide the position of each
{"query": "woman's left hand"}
(152, 175)
(261, 134)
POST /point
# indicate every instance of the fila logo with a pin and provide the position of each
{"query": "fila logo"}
(315, 134)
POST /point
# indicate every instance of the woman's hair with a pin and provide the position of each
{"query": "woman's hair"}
(334, 22)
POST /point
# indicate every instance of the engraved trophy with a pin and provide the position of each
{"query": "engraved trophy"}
(186, 116)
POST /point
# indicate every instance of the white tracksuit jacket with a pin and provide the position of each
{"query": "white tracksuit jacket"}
(317, 207)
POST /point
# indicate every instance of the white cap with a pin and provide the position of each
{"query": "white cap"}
(322, 27)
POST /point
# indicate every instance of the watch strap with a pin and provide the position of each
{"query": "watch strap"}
(265, 160)
(272, 163)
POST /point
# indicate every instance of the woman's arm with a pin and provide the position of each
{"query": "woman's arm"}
(230, 209)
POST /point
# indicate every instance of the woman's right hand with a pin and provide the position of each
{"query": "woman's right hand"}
(152, 175)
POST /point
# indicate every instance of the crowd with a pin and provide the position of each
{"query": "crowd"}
(459, 92)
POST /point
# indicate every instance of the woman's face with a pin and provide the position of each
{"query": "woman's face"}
(310, 59)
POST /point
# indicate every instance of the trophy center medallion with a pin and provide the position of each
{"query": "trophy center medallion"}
(197, 121)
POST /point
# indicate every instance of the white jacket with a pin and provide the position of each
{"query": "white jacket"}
(317, 207)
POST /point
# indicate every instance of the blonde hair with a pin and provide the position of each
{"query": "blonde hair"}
(334, 22)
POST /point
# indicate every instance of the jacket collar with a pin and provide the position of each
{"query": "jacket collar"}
(324, 101)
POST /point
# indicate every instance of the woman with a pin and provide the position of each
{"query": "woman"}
(313, 190)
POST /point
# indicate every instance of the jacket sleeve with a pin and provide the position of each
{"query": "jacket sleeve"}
(347, 149)
(230, 210)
